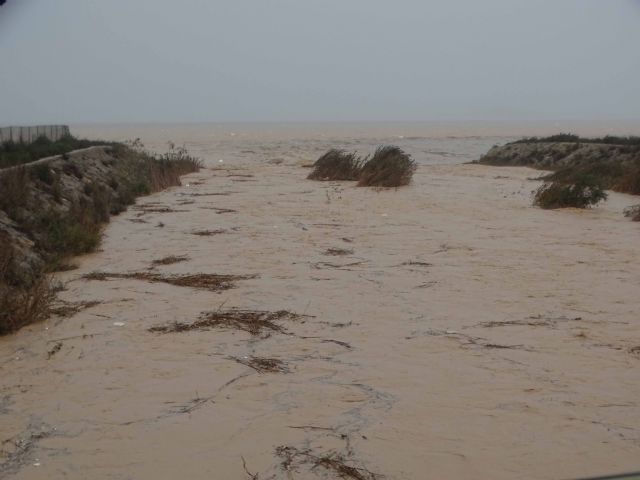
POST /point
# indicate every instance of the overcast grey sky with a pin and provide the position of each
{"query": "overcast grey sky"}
(318, 60)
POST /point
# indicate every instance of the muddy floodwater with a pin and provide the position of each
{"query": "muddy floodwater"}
(255, 324)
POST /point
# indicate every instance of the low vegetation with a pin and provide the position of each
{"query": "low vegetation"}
(20, 304)
(16, 153)
(585, 193)
(389, 166)
(572, 138)
(336, 165)
(53, 210)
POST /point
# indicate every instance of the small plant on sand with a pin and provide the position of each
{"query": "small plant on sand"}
(390, 166)
(584, 193)
(336, 165)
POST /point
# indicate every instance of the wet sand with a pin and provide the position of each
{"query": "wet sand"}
(468, 335)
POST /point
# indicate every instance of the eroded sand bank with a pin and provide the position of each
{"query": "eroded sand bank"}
(468, 335)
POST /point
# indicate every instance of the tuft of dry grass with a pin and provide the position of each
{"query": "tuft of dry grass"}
(336, 165)
(390, 166)
(205, 281)
(255, 322)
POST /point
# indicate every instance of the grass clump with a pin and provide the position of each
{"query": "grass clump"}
(21, 304)
(584, 193)
(390, 166)
(336, 165)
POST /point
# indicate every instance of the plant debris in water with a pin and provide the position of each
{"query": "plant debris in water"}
(258, 323)
(205, 281)
(170, 260)
(262, 365)
(338, 251)
(293, 459)
(69, 309)
(208, 233)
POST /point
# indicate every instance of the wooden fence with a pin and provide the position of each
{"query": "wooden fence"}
(29, 134)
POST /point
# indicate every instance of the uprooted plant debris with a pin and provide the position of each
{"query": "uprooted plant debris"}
(170, 260)
(338, 251)
(205, 281)
(208, 233)
(69, 309)
(143, 209)
(258, 323)
(532, 321)
(293, 459)
(220, 211)
(262, 365)
(469, 341)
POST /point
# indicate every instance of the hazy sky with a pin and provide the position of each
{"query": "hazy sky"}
(318, 60)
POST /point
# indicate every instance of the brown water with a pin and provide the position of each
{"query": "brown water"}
(468, 335)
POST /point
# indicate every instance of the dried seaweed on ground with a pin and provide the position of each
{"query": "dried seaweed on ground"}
(258, 323)
(635, 351)
(338, 251)
(170, 260)
(205, 281)
(336, 463)
(69, 309)
(262, 365)
(208, 233)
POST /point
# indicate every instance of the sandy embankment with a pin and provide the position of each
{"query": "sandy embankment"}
(468, 335)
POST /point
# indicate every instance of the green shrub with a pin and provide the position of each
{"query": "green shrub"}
(390, 166)
(572, 138)
(336, 165)
(584, 193)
